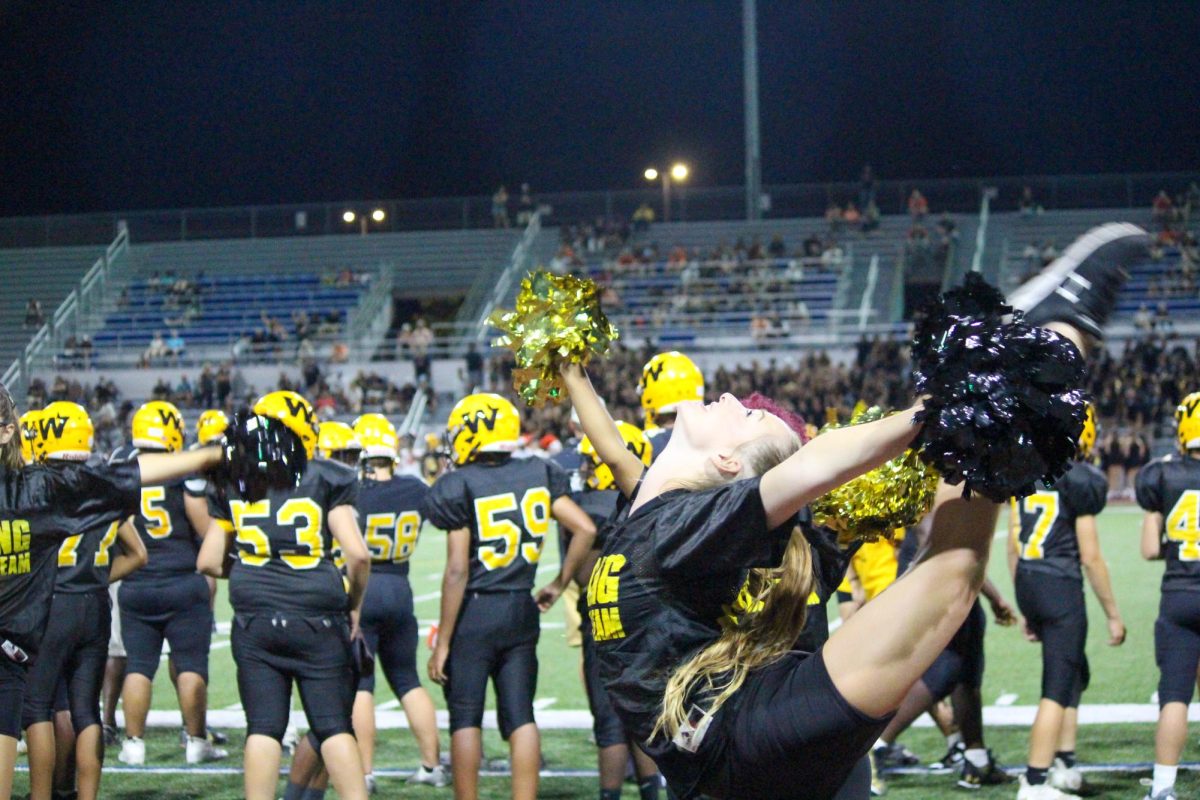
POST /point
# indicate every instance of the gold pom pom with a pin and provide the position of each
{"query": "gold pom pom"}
(895, 495)
(557, 320)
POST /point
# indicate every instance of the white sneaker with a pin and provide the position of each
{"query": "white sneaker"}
(1041, 791)
(22, 748)
(1060, 776)
(200, 750)
(429, 777)
(133, 752)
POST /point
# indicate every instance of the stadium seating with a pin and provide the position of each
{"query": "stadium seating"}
(47, 274)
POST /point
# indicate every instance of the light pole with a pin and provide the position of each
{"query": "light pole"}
(350, 216)
(678, 173)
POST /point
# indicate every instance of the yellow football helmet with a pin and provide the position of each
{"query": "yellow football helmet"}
(1087, 437)
(377, 435)
(31, 442)
(636, 442)
(296, 413)
(1187, 422)
(65, 431)
(336, 437)
(211, 426)
(158, 425)
(669, 379)
(482, 423)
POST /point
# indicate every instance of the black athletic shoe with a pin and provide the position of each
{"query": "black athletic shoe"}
(894, 755)
(112, 736)
(973, 777)
(953, 758)
(1080, 287)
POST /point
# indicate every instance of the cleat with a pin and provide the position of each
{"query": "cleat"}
(200, 750)
(878, 784)
(1080, 287)
(372, 786)
(429, 777)
(894, 755)
(952, 759)
(112, 736)
(291, 737)
(133, 752)
(22, 748)
(1041, 791)
(217, 737)
(973, 777)
(1060, 776)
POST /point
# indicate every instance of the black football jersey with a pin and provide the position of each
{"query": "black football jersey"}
(162, 523)
(389, 513)
(670, 572)
(1048, 542)
(1171, 486)
(40, 507)
(658, 442)
(84, 559)
(283, 545)
(506, 506)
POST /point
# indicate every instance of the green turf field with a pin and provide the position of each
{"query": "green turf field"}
(1125, 675)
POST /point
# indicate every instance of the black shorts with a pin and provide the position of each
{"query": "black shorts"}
(73, 653)
(273, 650)
(178, 611)
(390, 628)
(496, 637)
(13, 678)
(1177, 645)
(606, 725)
(1055, 610)
(962, 660)
(788, 732)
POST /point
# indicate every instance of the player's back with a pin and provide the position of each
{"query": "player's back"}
(284, 547)
(1047, 537)
(505, 503)
(1171, 486)
(390, 515)
(163, 525)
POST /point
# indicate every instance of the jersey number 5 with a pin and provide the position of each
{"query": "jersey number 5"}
(535, 512)
(1045, 505)
(300, 512)
(1183, 525)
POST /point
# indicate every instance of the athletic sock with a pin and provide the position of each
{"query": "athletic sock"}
(1067, 756)
(880, 743)
(977, 756)
(1164, 778)
(314, 794)
(610, 794)
(954, 739)
(648, 787)
(294, 791)
(1035, 776)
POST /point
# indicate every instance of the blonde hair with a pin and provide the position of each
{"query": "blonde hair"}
(761, 626)
(10, 453)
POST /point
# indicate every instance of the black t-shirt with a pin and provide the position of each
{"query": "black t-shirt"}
(667, 575)
(40, 507)
(1048, 541)
(284, 547)
(390, 515)
(1171, 486)
(829, 567)
(163, 525)
(506, 506)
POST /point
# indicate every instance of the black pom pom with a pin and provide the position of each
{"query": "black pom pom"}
(261, 454)
(1003, 409)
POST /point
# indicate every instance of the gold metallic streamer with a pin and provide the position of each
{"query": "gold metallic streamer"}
(895, 495)
(557, 320)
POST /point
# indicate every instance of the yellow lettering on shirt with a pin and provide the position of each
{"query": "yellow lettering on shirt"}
(14, 547)
(602, 593)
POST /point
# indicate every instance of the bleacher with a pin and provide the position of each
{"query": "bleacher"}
(230, 306)
(47, 274)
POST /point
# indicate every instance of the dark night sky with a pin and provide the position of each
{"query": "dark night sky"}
(121, 105)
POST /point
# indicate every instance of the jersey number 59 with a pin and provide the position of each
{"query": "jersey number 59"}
(500, 539)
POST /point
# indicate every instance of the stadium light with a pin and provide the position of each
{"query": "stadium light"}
(348, 217)
(378, 215)
(651, 174)
(678, 173)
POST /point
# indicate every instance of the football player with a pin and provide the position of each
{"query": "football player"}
(599, 499)
(668, 379)
(39, 508)
(1168, 489)
(165, 600)
(496, 511)
(75, 646)
(389, 510)
(1054, 544)
(719, 502)
(293, 616)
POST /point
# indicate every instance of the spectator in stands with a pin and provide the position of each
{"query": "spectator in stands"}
(918, 206)
(777, 249)
(224, 383)
(156, 350)
(1142, 320)
(813, 246)
(161, 390)
(866, 187)
(175, 345)
(184, 394)
(34, 316)
(422, 337)
(833, 217)
(1027, 205)
(1049, 253)
(86, 351)
(852, 217)
(870, 219)
(207, 387)
(1162, 210)
(525, 206)
(500, 208)
(760, 328)
(643, 218)
(474, 370)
